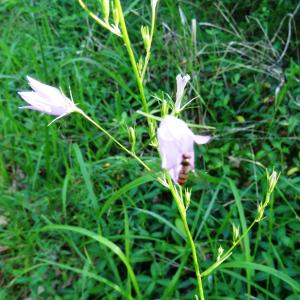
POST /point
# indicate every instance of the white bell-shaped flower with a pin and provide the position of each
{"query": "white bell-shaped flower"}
(176, 141)
(47, 99)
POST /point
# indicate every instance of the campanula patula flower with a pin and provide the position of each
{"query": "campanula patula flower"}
(176, 142)
(47, 99)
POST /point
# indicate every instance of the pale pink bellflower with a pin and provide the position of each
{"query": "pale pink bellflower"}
(47, 99)
(176, 141)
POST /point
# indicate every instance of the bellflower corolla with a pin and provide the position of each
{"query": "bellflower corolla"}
(181, 83)
(47, 99)
(175, 139)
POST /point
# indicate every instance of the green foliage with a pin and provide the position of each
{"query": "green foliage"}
(121, 231)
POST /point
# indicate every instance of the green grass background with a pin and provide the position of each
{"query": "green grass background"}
(69, 174)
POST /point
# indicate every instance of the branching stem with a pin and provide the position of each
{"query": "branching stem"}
(114, 140)
(134, 65)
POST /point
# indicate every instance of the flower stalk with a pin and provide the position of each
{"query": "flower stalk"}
(148, 48)
(271, 181)
(182, 211)
(147, 168)
(134, 66)
(105, 24)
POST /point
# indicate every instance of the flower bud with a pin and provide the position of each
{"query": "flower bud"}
(164, 108)
(236, 232)
(115, 16)
(132, 138)
(181, 83)
(220, 252)
(105, 10)
(272, 181)
(260, 212)
(140, 65)
(187, 194)
(146, 36)
(153, 5)
(194, 33)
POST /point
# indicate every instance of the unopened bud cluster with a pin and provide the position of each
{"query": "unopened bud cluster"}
(220, 253)
(164, 108)
(236, 232)
(132, 138)
(105, 10)
(187, 194)
(272, 181)
(146, 37)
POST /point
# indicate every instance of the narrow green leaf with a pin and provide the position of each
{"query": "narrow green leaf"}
(253, 266)
(85, 273)
(246, 241)
(163, 220)
(64, 195)
(86, 176)
(242, 278)
(103, 241)
(117, 194)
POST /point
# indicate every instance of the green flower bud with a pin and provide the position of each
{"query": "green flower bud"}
(132, 138)
(220, 252)
(146, 36)
(105, 10)
(236, 232)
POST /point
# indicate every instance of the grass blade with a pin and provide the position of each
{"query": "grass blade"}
(116, 195)
(253, 266)
(163, 220)
(86, 176)
(103, 241)
(246, 241)
(88, 274)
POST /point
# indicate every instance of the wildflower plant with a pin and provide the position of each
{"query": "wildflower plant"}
(175, 139)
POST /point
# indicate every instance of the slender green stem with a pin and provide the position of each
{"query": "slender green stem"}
(194, 253)
(134, 64)
(114, 140)
(182, 212)
(229, 251)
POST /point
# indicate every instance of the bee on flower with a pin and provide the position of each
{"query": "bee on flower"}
(176, 146)
(176, 140)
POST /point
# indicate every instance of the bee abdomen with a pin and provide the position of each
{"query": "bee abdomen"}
(182, 178)
(183, 174)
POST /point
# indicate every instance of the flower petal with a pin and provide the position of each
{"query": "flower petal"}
(171, 157)
(48, 92)
(201, 139)
(33, 108)
(175, 141)
(47, 99)
(36, 101)
(181, 83)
